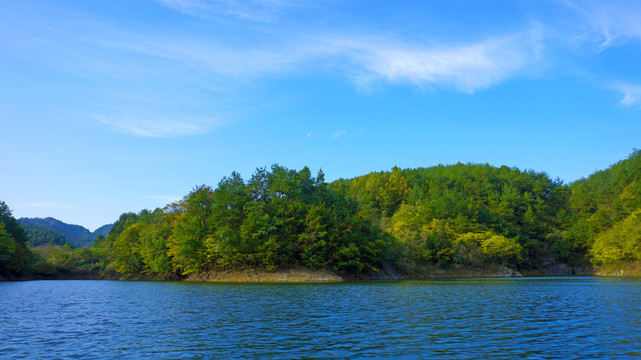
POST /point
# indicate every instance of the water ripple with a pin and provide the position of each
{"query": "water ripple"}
(534, 318)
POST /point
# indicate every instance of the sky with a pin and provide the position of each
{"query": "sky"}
(112, 106)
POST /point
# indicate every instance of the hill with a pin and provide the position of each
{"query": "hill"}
(103, 230)
(605, 214)
(40, 232)
(463, 215)
(452, 219)
(39, 236)
(456, 217)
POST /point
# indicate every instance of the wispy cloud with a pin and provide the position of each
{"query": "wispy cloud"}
(364, 59)
(612, 21)
(309, 134)
(173, 79)
(631, 94)
(156, 126)
(339, 134)
(465, 67)
(253, 10)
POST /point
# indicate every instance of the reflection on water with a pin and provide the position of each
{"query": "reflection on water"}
(534, 318)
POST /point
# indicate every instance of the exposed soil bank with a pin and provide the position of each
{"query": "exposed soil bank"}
(632, 270)
(461, 272)
(302, 275)
(252, 275)
(308, 275)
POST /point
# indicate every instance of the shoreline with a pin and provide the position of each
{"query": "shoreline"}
(303, 275)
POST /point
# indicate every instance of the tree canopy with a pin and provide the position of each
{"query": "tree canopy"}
(15, 257)
(462, 215)
(279, 218)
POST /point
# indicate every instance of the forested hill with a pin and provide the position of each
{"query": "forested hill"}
(277, 219)
(39, 236)
(462, 216)
(458, 216)
(605, 213)
(450, 214)
(43, 231)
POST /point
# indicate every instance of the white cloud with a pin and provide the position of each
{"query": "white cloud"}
(339, 134)
(166, 75)
(631, 94)
(309, 135)
(466, 67)
(364, 59)
(612, 21)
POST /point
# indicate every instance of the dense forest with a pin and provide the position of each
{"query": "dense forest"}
(39, 236)
(463, 216)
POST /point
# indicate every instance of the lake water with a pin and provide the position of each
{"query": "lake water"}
(534, 318)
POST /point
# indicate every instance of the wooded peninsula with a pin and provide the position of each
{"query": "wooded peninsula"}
(456, 219)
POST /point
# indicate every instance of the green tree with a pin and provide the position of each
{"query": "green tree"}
(187, 245)
(15, 258)
(126, 249)
(7, 251)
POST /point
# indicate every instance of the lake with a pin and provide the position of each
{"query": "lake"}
(534, 318)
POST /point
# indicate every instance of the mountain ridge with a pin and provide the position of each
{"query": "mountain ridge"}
(76, 235)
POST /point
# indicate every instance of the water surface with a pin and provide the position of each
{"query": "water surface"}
(534, 318)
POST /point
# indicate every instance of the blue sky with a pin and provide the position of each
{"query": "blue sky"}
(115, 106)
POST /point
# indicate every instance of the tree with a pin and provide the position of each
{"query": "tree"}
(499, 249)
(126, 249)
(15, 257)
(7, 251)
(622, 243)
(187, 244)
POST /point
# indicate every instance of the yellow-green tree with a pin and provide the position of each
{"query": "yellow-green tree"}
(621, 243)
(502, 250)
(127, 248)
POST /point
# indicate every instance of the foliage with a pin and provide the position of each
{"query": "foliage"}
(464, 215)
(279, 218)
(56, 259)
(39, 236)
(621, 243)
(436, 212)
(602, 212)
(15, 257)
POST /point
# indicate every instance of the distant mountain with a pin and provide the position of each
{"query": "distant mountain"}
(75, 235)
(103, 230)
(39, 236)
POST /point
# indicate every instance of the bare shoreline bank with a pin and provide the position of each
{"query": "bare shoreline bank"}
(302, 275)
